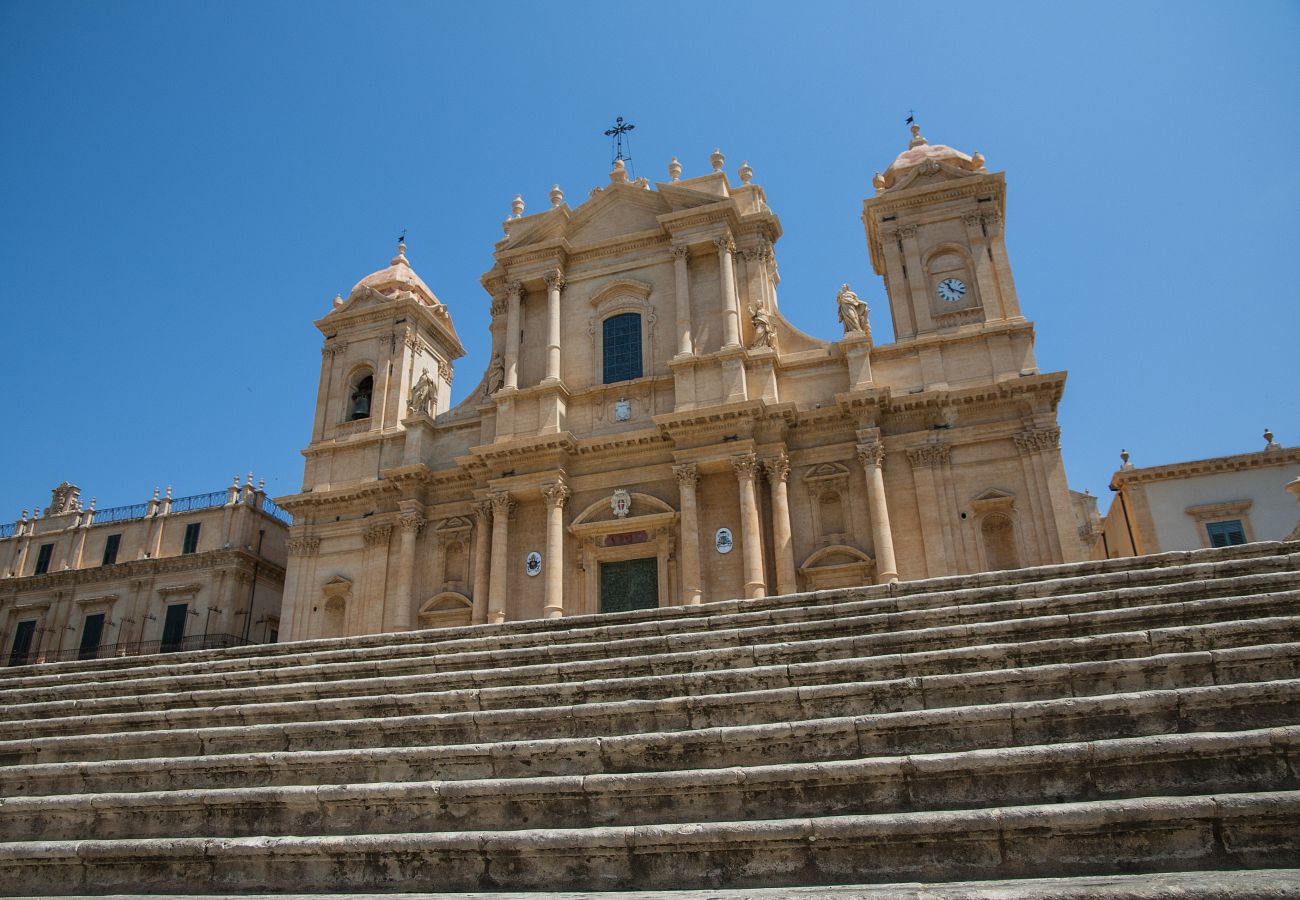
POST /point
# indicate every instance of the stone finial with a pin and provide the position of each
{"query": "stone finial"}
(92, 504)
(517, 207)
(746, 173)
(557, 196)
(400, 258)
(716, 159)
(169, 492)
(338, 300)
(878, 182)
(917, 140)
(261, 485)
(1271, 444)
(155, 493)
(236, 481)
(618, 174)
(250, 477)
(675, 170)
(977, 160)
(1124, 463)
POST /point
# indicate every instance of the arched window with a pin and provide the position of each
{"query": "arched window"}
(359, 398)
(999, 542)
(622, 347)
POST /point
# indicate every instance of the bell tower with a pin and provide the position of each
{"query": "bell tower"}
(934, 229)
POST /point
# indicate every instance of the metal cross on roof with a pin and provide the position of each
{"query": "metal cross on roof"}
(620, 128)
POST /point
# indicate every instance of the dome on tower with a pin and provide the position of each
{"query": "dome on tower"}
(930, 158)
(398, 277)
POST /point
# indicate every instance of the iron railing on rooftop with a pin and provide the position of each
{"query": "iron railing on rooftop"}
(275, 512)
(8, 530)
(196, 502)
(121, 513)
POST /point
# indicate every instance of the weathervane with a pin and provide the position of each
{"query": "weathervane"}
(620, 128)
(911, 117)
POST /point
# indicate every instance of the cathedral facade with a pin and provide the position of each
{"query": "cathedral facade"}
(649, 430)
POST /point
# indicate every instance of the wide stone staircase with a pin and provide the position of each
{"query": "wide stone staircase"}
(1090, 722)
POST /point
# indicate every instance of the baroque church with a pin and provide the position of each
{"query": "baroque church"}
(649, 430)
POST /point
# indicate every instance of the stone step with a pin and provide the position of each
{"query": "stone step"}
(770, 692)
(1255, 884)
(1244, 597)
(1150, 568)
(1173, 765)
(1154, 833)
(219, 761)
(689, 673)
(419, 650)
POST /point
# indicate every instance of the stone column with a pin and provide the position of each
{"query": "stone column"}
(925, 460)
(554, 284)
(683, 291)
(556, 495)
(872, 457)
(399, 612)
(482, 548)
(294, 614)
(688, 477)
(730, 312)
(746, 466)
(513, 289)
(502, 507)
(778, 474)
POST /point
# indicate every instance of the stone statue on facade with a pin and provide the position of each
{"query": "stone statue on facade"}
(496, 376)
(853, 312)
(424, 396)
(764, 334)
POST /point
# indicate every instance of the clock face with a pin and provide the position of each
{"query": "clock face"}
(952, 289)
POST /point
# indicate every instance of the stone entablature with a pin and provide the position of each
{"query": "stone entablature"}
(83, 582)
(637, 337)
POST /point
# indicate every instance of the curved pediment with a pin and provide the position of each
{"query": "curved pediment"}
(622, 287)
(603, 509)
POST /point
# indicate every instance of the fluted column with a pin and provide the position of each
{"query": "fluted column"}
(872, 457)
(554, 285)
(730, 311)
(778, 474)
(513, 290)
(556, 495)
(692, 584)
(502, 507)
(400, 612)
(746, 466)
(482, 550)
(683, 290)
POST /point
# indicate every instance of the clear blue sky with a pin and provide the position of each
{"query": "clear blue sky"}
(184, 187)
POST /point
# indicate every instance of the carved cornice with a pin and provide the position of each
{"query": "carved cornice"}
(1237, 463)
(146, 568)
(928, 455)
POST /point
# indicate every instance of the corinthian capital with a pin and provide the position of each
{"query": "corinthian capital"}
(557, 494)
(680, 251)
(777, 467)
(503, 505)
(377, 535)
(745, 464)
(411, 521)
(725, 245)
(871, 453)
(687, 474)
(555, 280)
(928, 455)
(514, 289)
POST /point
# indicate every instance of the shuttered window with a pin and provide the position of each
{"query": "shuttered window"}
(191, 538)
(110, 549)
(1226, 534)
(43, 558)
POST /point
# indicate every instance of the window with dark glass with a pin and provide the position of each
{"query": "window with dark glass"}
(191, 544)
(92, 632)
(43, 558)
(622, 343)
(22, 646)
(1226, 534)
(359, 401)
(174, 627)
(110, 549)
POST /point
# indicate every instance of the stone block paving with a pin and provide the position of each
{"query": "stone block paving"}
(1127, 728)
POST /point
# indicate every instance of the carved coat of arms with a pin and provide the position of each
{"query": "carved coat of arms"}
(621, 503)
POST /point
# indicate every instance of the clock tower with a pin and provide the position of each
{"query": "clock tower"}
(934, 228)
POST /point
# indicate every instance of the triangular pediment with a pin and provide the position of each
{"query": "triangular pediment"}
(615, 211)
(540, 229)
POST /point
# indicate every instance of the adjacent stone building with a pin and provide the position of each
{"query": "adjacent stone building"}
(180, 573)
(1216, 502)
(650, 430)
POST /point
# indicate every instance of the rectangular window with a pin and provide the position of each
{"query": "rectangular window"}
(174, 627)
(21, 651)
(1226, 534)
(110, 549)
(91, 634)
(622, 347)
(43, 558)
(191, 538)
